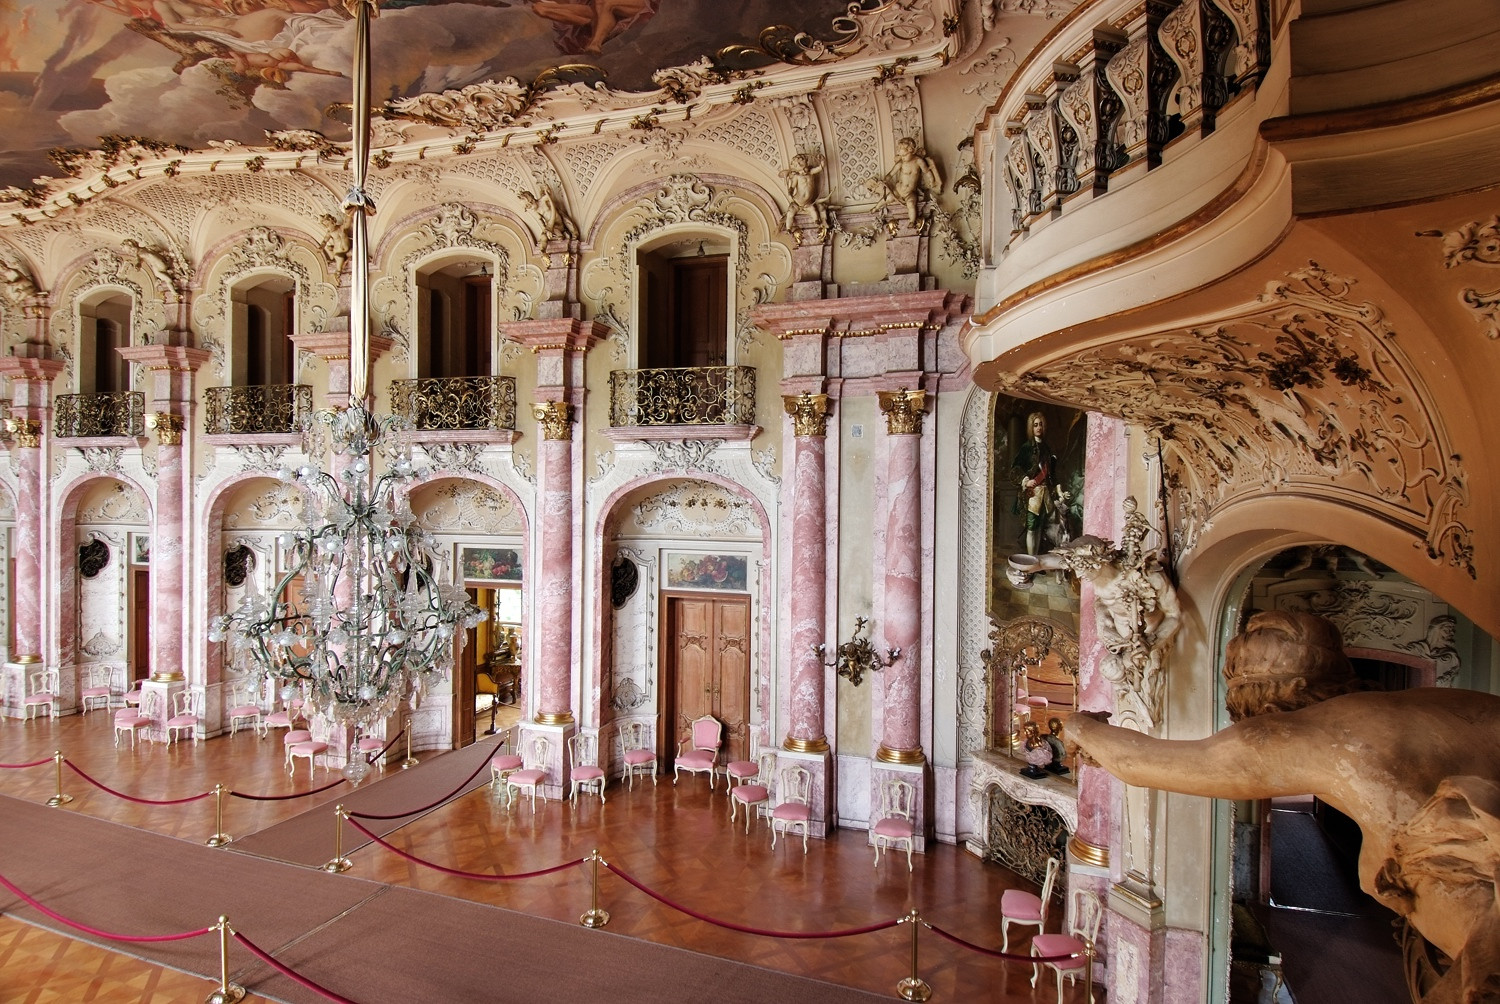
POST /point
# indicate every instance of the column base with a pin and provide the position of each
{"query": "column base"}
(907, 757)
(818, 745)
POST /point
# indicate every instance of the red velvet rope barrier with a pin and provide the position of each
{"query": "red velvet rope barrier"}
(1007, 956)
(850, 932)
(19, 766)
(132, 798)
(463, 874)
(295, 794)
(290, 974)
(434, 805)
(94, 930)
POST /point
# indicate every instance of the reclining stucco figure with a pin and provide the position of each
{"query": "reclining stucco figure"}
(1416, 769)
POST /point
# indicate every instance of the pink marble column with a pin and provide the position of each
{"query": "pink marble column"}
(554, 636)
(27, 612)
(808, 601)
(167, 551)
(901, 741)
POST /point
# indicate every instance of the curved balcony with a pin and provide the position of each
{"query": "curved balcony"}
(260, 410)
(700, 395)
(456, 404)
(86, 416)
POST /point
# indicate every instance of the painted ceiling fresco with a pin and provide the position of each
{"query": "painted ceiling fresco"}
(197, 72)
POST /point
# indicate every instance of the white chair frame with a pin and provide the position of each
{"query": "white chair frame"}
(794, 788)
(96, 678)
(898, 802)
(1042, 905)
(763, 778)
(533, 759)
(583, 751)
(44, 683)
(1083, 927)
(637, 736)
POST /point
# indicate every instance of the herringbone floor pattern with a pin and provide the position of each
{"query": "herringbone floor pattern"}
(676, 840)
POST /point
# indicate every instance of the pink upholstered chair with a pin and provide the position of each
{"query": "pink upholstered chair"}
(740, 771)
(242, 708)
(1017, 906)
(132, 695)
(187, 715)
(292, 738)
(754, 790)
(533, 771)
(132, 721)
(502, 765)
(368, 746)
(706, 735)
(95, 692)
(583, 751)
(45, 690)
(310, 749)
(290, 713)
(897, 812)
(638, 751)
(1083, 929)
(794, 789)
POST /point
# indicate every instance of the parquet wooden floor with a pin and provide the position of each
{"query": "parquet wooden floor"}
(675, 840)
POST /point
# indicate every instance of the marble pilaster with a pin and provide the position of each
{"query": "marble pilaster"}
(31, 414)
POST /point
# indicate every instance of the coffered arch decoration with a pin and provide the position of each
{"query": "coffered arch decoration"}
(1304, 390)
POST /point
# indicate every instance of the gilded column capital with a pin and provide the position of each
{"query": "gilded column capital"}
(809, 413)
(555, 418)
(25, 432)
(168, 427)
(903, 411)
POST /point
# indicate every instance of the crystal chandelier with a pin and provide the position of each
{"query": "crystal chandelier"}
(366, 612)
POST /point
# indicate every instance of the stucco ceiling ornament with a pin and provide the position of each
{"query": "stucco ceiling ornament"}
(1136, 611)
(1479, 243)
(697, 508)
(1304, 388)
(455, 456)
(16, 280)
(688, 455)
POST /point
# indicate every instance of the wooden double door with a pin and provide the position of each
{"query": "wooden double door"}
(707, 670)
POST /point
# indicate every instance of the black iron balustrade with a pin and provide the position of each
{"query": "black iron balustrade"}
(80, 416)
(453, 404)
(270, 408)
(698, 395)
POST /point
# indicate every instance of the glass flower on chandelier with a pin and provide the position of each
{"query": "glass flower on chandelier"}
(378, 611)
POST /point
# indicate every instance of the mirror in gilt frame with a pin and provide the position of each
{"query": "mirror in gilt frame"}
(1031, 674)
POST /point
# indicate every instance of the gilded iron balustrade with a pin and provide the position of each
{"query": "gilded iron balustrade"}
(270, 408)
(79, 416)
(450, 404)
(698, 395)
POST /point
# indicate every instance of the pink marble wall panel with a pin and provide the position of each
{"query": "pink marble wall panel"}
(167, 578)
(28, 553)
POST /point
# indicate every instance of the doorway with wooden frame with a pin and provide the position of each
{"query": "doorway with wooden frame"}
(706, 670)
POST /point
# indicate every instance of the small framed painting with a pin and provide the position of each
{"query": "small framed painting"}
(686, 570)
(140, 549)
(489, 564)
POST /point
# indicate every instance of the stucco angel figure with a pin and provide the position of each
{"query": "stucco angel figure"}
(914, 176)
(335, 242)
(1136, 610)
(17, 282)
(554, 224)
(153, 261)
(802, 190)
(1416, 769)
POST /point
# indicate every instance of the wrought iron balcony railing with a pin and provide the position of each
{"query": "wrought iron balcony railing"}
(271, 408)
(699, 395)
(79, 416)
(453, 404)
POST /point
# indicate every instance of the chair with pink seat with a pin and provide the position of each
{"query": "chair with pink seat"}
(583, 752)
(794, 789)
(95, 692)
(1017, 906)
(503, 764)
(242, 708)
(755, 790)
(896, 823)
(308, 749)
(187, 715)
(132, 695)
(1083, 932)
(133, 721)
(638, 751)
(706, 735)
(288, 716)
(46, 689)
(292, 738)
(533, 771)
(371, 746)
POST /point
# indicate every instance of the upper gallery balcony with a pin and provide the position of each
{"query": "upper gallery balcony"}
(721, 396)
(84, 416)
(256, 410)
(456, 404)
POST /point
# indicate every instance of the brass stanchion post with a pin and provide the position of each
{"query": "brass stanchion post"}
(220, 838)
(410, 760)
(59, 798)
(913, 988)
(228, 992)
(594, 917)
(1088, 969)
(339, 862)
